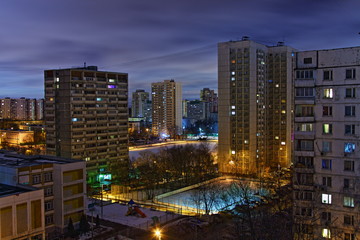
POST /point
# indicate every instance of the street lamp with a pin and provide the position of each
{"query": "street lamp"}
(157, 233)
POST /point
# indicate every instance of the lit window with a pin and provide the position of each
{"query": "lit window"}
(326, 164)
(233, 73)
(98, 99)
(326, 198)
(283, 143)
(233, 152)
(246, 141)
(326, 233)
(51, 99)
(74, 119)
(328, 93)
(232, 107)
(349, 147)
(112, 86)
(57, 79)
(276, 137)
(233, 113)
(327, 128)
(283, 111)
(111, 80)
(349, 202)
(232, 78)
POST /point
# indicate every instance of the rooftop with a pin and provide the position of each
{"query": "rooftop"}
(7, 190)
(14, 160)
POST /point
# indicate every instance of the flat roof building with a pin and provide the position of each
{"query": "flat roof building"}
(86, 117)
(63, 183)
(21, 212)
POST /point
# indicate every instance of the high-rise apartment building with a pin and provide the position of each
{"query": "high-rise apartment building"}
(166, 108)
(62, 183)
(141, 105)
(255, 106)
(326, 156)
(86, 117)
(138, 101)
(209, 96)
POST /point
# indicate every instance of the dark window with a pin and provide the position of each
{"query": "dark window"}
(307, 60)
(350, 111)
(350, 73)
(327, 111)
(350, 92)
(348, 165)
(350, 129)
(327, 181)
(328, 75)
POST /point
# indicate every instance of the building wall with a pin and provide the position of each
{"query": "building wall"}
(326, 181)
(22, 216)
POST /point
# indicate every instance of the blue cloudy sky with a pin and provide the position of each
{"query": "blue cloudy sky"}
(159, 39)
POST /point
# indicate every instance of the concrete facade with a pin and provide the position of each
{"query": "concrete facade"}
(326, 177)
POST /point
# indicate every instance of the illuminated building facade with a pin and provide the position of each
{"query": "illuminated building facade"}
(255, 106)
(86, 117)
(62, 183)
(166, 108)
(21, 109)
(21, 212)
(326, 156)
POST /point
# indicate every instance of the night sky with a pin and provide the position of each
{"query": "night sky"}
(159, 39)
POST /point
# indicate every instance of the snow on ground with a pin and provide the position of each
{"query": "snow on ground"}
(116, 212)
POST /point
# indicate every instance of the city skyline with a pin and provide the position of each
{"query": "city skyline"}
(156, 41)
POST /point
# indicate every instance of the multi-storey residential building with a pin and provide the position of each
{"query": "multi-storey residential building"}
(209, 96)
(139, 99)
(21, 109)
(327, 170)
(86, 117)
(166, 108)
(63, 182)
(196, 110)
(255, 106)
(21, 213)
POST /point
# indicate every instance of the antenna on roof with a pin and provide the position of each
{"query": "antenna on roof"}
(84, 64)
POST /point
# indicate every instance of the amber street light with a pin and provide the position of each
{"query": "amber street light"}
(157, 233)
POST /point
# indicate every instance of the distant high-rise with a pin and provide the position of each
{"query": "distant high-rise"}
(166, 108)
(141, 105)
(255, 106)
(209, 96)
(139, 99)
(196, 110)
(21, 109)
(86, 117)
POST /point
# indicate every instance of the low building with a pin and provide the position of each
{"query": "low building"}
(62, 180)
(21, 212)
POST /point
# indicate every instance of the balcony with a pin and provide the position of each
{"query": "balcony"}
(305, 119)
(304, 135)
